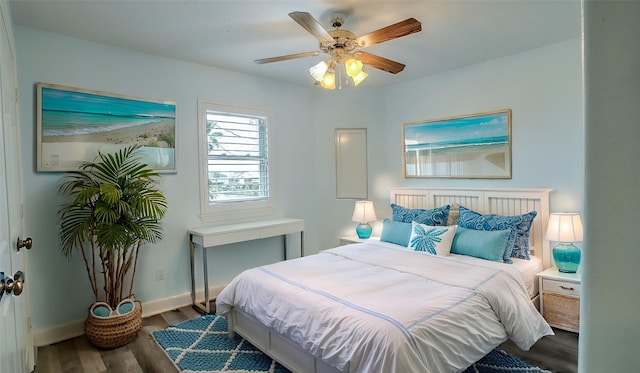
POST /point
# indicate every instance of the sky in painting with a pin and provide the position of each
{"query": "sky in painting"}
(80, 102)
(455, 129)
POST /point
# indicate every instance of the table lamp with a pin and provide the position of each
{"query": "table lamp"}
(565, 229)
(363, 214)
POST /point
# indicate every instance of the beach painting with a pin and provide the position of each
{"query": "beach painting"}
(74, 124)
(468, 146)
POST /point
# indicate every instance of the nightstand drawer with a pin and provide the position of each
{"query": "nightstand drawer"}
(561, 287)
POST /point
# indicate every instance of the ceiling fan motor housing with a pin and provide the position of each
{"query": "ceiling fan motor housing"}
(344, 43)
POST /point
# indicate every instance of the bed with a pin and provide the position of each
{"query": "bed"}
(377, 306)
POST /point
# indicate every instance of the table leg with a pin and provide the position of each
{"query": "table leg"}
(284, 236)
(193, 274)
(206, 280)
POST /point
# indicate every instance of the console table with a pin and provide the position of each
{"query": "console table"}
(208, 237)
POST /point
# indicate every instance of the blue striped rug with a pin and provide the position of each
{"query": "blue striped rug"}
(202, 345)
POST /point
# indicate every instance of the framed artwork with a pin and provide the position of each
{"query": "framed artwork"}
(467, 146)
(74, 124)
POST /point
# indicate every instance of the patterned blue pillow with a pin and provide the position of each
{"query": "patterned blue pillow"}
(434, 240)
(518, 243)
(436, 216)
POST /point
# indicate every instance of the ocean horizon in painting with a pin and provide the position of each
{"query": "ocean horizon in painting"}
(488, 129)
(68, 113)
(468, 146)
(478, 141)
(74, 125)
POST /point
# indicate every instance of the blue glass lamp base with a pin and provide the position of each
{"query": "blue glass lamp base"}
(567, 257)
(364, 230)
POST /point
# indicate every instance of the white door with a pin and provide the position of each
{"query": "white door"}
(8, 341)
(16, 342)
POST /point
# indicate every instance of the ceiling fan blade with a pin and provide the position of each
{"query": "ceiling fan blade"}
(310, 24)
(403, 28)
(378, 62)
(287, 57)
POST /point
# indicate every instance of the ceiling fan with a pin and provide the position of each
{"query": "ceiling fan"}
(344, 48)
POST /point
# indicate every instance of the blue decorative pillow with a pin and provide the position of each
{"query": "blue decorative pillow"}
(518, 244)
(489, 245)
(435, 240)
(396, 232)
(436, 216)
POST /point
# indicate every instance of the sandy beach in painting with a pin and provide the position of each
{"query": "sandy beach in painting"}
(144, 134)
(463, 161)
(68, 152)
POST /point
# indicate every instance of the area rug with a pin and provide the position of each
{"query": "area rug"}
(202, 345)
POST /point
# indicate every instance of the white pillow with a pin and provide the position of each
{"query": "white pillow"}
(434, 240)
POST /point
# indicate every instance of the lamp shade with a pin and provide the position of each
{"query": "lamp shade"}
(564, 227)
(329, 80)
(364, 212)
(318, 71)
(357, 79)
(352, 66)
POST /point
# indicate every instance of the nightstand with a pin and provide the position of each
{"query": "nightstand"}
(560, 299)
(355, 239)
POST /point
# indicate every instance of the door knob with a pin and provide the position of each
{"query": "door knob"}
(2, 285)
(15, 285)
(26, 243)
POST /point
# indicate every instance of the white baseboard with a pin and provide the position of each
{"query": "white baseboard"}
(62, 332)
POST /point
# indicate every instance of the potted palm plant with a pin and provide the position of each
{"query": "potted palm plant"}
(113, 208)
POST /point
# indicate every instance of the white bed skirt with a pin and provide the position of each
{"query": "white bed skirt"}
(273, 344)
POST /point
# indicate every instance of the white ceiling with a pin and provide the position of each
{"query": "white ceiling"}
(231, 34)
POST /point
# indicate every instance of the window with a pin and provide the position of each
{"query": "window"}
(236, 180)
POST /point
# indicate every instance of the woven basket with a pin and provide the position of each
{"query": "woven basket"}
(113, 331)
(562, 311)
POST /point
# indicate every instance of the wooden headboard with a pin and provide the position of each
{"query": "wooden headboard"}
(487, 201)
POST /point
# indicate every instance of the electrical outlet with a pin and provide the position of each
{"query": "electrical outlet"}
(160, 273)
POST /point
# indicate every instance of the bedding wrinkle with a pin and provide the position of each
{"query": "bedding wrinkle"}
(377, 308)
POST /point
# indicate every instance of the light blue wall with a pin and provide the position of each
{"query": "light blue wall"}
(358, 108)
(61, 293)
(611, 300)
(542, 87)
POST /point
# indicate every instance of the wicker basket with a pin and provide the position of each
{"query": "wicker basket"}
(562, 311)
(115, 330)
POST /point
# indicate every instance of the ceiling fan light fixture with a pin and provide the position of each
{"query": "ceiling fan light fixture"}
(317, 71)
(329, 80)
(342, 46)
(352, 66)
(359, 78)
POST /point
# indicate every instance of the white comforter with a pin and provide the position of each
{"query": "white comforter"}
(374, 308)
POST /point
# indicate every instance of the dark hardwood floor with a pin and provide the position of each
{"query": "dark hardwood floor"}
(558, 353)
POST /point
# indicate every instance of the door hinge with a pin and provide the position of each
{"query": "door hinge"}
(16, 95)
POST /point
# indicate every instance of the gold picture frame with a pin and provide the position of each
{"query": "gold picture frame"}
(474, 146)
